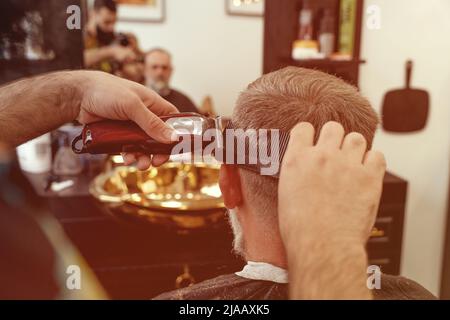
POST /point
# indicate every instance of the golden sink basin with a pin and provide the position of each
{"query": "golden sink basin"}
(185, 196)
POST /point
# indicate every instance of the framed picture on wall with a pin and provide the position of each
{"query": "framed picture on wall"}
(247, 8)
(141, 10)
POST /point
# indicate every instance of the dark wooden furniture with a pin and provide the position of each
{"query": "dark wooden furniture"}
(136, 261)
(141, 261)
(67, 45)
(385, 245)
(281, 29)
(445, 279)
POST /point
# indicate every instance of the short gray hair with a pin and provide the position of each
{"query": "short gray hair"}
(160, 50)
(281, 99)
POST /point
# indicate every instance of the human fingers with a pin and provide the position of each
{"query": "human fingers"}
(150, 122)
(354, 147)
(302, 135)
(331, 135)
(375, 161)
(159, 159)
(143, 162)
(151, 99)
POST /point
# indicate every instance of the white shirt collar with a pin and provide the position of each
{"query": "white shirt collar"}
(263, 271)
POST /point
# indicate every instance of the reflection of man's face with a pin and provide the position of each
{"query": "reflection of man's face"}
(158, 70)
(105, 21)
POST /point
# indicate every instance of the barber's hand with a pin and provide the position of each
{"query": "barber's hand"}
(329, 191)
(108, 97)
(122, 54)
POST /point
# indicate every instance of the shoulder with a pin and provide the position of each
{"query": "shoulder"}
(401, 288)
(178, 93)
(228, 287)
(182, 101)
(180, 96)
(202, 290)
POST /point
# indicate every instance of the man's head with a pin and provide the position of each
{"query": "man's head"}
(279, 100)
(158, 70)
(104, 15)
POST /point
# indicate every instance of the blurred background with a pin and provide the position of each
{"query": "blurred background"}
(201, 54)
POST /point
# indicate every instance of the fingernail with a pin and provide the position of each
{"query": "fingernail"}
(171, 135)
(124, 159)
(127, 159)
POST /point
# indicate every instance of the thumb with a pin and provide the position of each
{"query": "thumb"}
(153, 125)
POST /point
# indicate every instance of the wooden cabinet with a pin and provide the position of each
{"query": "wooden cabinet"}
(280, 31)
(140, 261)
(385, 245)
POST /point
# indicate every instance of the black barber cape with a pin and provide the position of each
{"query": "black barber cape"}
(233, 287)
(181, 101)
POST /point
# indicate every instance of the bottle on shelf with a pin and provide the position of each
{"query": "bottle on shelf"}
(305, 47)
(347, 25)
(306, 27)
(327, 34)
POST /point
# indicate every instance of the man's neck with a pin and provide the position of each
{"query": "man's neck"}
(268, 253)
(162, 92)
(165, 92)
(263, 243)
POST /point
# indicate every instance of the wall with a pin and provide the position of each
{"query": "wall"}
(213, 53)
(218, 55)
(419, 30)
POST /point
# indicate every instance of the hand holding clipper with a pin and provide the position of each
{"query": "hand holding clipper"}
(115, 137)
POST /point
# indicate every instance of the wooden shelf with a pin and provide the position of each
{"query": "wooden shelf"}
(281, 30)
(310, 63)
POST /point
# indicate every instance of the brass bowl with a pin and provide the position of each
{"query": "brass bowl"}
(184, 196)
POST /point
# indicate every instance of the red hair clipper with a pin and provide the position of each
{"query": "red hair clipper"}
(114, 137)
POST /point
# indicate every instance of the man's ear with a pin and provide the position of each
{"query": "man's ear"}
(230, 185)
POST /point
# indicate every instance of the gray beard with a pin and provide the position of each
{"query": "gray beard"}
(161, 87)
(238, 241)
